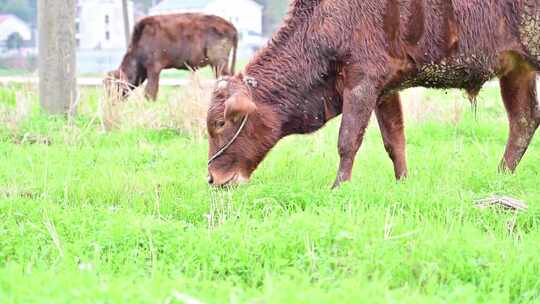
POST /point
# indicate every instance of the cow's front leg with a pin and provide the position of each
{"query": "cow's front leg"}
(358, 105)
(152, 87)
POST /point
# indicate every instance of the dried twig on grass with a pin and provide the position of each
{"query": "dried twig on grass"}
(108, 105)
(12, 117)
(32, 139)
(182, 298)
(187, 109)
(504, 201)
(183, 109)
(51, 228)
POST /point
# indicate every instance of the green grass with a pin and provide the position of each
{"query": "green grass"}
(176, 74)
(166, 74)
(14, 72)
(127, 217)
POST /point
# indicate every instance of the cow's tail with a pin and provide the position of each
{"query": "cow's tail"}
(234, 53)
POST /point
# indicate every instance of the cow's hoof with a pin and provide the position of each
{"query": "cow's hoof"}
(504, 168)
(337, 184)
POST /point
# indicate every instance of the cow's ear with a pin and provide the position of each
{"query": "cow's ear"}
(237, 106)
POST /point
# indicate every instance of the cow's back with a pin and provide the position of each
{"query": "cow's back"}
(182, 39)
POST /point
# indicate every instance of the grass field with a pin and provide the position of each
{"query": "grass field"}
(126, 216)
(11, 72)
(166, 74)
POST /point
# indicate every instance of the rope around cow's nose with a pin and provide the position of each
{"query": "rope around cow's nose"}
(225, 147)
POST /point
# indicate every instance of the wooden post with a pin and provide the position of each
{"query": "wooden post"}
(125, 12)
(57, 55)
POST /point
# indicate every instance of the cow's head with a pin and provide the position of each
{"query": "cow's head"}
(117, 84)
(241, 131)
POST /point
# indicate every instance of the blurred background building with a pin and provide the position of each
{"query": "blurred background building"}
(248, 18)
(14, 33)
(100, 24)
(100, 34)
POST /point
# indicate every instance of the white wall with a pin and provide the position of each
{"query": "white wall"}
(14, 25)
(154, 11)
(93, 25)
(244, 14)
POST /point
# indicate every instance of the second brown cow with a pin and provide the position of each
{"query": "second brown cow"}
(176, 41)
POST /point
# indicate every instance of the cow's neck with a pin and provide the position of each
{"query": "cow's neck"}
(292, 77)
(132, 69)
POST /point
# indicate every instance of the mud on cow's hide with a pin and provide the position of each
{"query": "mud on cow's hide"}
(529, 25)
(352, 57)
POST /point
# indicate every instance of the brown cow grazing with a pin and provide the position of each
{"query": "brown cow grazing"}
(373, 49)
(177, 41)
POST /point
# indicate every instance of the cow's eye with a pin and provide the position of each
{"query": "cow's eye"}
(220, 124)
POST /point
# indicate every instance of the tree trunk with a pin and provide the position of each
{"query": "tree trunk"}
(57, 56)
(125, 12)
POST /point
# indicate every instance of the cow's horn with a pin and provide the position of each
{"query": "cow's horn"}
(250, 81)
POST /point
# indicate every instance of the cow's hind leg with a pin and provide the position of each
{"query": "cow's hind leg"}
(152, 87)
(518, 89)
(220, 68)
(390, 117)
